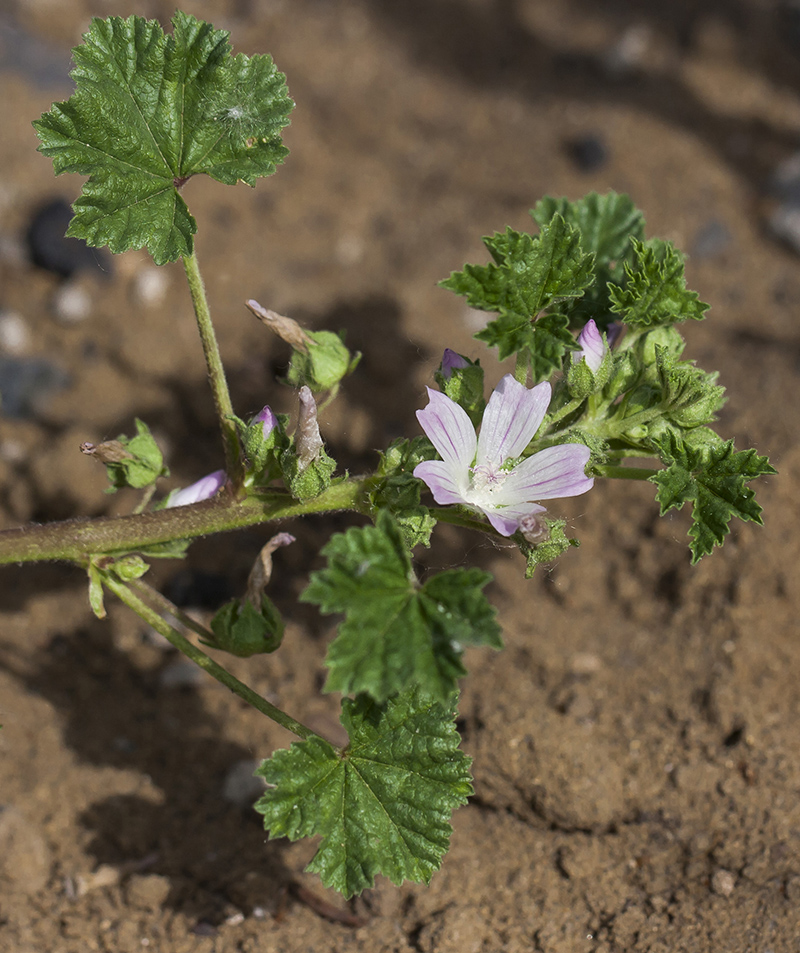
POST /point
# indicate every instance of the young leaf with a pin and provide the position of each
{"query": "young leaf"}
(606, 223)
(151, 110)
(528, 274)
(382, 805)
(397, 633)
(713, 477)
(655, 289)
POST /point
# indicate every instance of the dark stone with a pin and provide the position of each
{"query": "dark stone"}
(710, 240)
(49, 248)
(26, 384)
(589, 152)
(194, 588)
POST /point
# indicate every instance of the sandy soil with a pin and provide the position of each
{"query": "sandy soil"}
(637, 760)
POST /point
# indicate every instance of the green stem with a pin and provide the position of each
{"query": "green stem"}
(624, 473)
(191, 651)
(564, 411)
(165, 605)
(77, 540)
(216, 372)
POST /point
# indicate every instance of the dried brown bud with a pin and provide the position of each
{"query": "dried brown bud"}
(307, 439)
(110, 451)
(262, 568)
(287, 329)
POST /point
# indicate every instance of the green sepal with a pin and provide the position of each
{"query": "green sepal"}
(464, 386)
(241, 629)
(263, 453)
(308, 483)
(170, 549)
(96, 590)
(396, 632)
(324, 364)
(383, 804)
(397, 490)
(582, 380)
(713, 478)
(554, 543)
(130, 567)
(655, 289)
(151, 110)
(142, 464)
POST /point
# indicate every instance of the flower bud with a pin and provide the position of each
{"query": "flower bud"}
(203, 489)
(592, 346)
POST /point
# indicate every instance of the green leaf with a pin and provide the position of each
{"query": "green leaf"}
(713, 477)
(544, 343)
(151, 110)
(527, 275)
(381, 806)
(606, 223)
(655, 289)
(397, 633)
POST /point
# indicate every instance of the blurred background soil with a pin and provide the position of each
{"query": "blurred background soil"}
(637, 757)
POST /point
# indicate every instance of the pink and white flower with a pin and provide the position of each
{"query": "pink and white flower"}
(479, 471)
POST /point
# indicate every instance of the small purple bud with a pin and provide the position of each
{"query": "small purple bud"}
(203, 489)
(451, 361)
(267, 418)
(592, 347)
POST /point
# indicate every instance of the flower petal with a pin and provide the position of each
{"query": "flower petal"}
(593, 347)
(441, 481)
(550, 474)
(506, 520)
(450, 430)
(511, 418)
(203, 489)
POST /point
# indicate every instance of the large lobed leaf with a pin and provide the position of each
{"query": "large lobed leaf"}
(151, 110)
(714, 479)
(396, 632)
(383, 804)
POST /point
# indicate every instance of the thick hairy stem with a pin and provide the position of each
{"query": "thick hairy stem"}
(77, 540)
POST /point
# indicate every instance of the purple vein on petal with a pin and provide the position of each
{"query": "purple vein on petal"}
(449, 429)
(512, 417)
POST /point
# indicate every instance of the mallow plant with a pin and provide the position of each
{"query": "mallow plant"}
(586, 309)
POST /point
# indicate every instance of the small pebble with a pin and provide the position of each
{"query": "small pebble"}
(198, 589)
(589, 152)
(784, 223)
(723, 882)
(49, 248)
(584, 663)
(150, 286)
(241, 787)
(180, 674)
(628, 52)
(15, 335)
(147, 891)
(711, 240)
(24, 854)
(72, 304)
(26, 384)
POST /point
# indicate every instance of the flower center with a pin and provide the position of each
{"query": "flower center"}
(487, 479)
